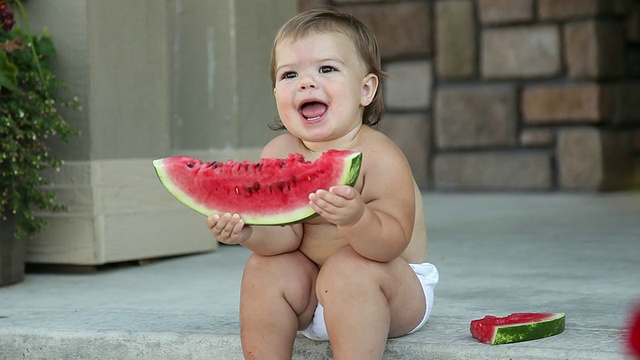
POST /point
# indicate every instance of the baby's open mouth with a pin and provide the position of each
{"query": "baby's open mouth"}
(313, 110)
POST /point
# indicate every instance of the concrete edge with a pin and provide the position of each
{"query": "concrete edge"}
(83, 344)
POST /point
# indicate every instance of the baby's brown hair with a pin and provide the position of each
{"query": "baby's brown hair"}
(325, 20)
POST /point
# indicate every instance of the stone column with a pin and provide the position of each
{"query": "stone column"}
(155, 78)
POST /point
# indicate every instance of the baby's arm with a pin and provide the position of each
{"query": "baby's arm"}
(381, 228)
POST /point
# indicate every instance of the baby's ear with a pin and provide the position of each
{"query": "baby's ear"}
(369, 88)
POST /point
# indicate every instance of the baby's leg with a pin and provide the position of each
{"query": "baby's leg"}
(277, 298)
(365, 302)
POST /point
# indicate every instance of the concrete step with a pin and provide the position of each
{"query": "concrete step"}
(124, 345)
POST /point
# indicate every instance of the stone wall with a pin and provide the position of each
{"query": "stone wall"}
(511, 94)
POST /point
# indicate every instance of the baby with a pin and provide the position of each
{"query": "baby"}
(357, 274)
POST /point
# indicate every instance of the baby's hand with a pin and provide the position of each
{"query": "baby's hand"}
(341, 205)
(228, 228)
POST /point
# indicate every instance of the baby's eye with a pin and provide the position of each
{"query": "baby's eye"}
(288, 75)
(326, 69)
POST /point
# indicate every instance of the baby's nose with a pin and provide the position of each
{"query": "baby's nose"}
(307, 82)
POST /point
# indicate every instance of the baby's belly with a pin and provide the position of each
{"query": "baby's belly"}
(320, 242)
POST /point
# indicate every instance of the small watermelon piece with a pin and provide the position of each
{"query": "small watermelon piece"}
(633, 333)
(272, 191)
(517, 327)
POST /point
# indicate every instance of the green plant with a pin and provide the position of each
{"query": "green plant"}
(29, 118)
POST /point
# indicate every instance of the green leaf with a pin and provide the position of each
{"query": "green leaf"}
(8, 73)
(45, 47)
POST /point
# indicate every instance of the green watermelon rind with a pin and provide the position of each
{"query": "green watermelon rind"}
(351, 171)
(351, 176)
(174, 190)
(505, 334)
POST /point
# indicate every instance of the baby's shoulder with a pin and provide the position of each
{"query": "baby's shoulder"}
(377, 144)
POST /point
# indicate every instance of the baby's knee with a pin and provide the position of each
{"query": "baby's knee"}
(259, 267)
(346, 269)
(255, 263)
(347, 260)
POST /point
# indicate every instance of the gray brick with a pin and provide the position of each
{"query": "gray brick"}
(409, 85)
(411, 132)
(594, 49)
(455, 33)
(476, 116)
(505, 11)
(493, 171)
(574, 103)
(591, 159)
(521, 52)
(573, 9)
(402, 29)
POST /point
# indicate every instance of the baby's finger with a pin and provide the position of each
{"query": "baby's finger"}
(232, 224)
(317, 199)
(222, 222)
(237, 228)
(322, 207)
(330, 199)
(227, 221)
(315, 207)
(343, 191)
(212, 220)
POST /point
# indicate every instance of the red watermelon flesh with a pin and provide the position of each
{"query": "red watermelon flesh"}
(633, 333)
(272, 191)
(517, 327)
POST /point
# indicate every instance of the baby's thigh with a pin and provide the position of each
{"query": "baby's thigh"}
(349, 274)
(407, 302)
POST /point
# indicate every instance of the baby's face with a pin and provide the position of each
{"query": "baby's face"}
(321, 86)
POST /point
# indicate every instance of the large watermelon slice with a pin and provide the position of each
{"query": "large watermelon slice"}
(517, 327)
(268, 192)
